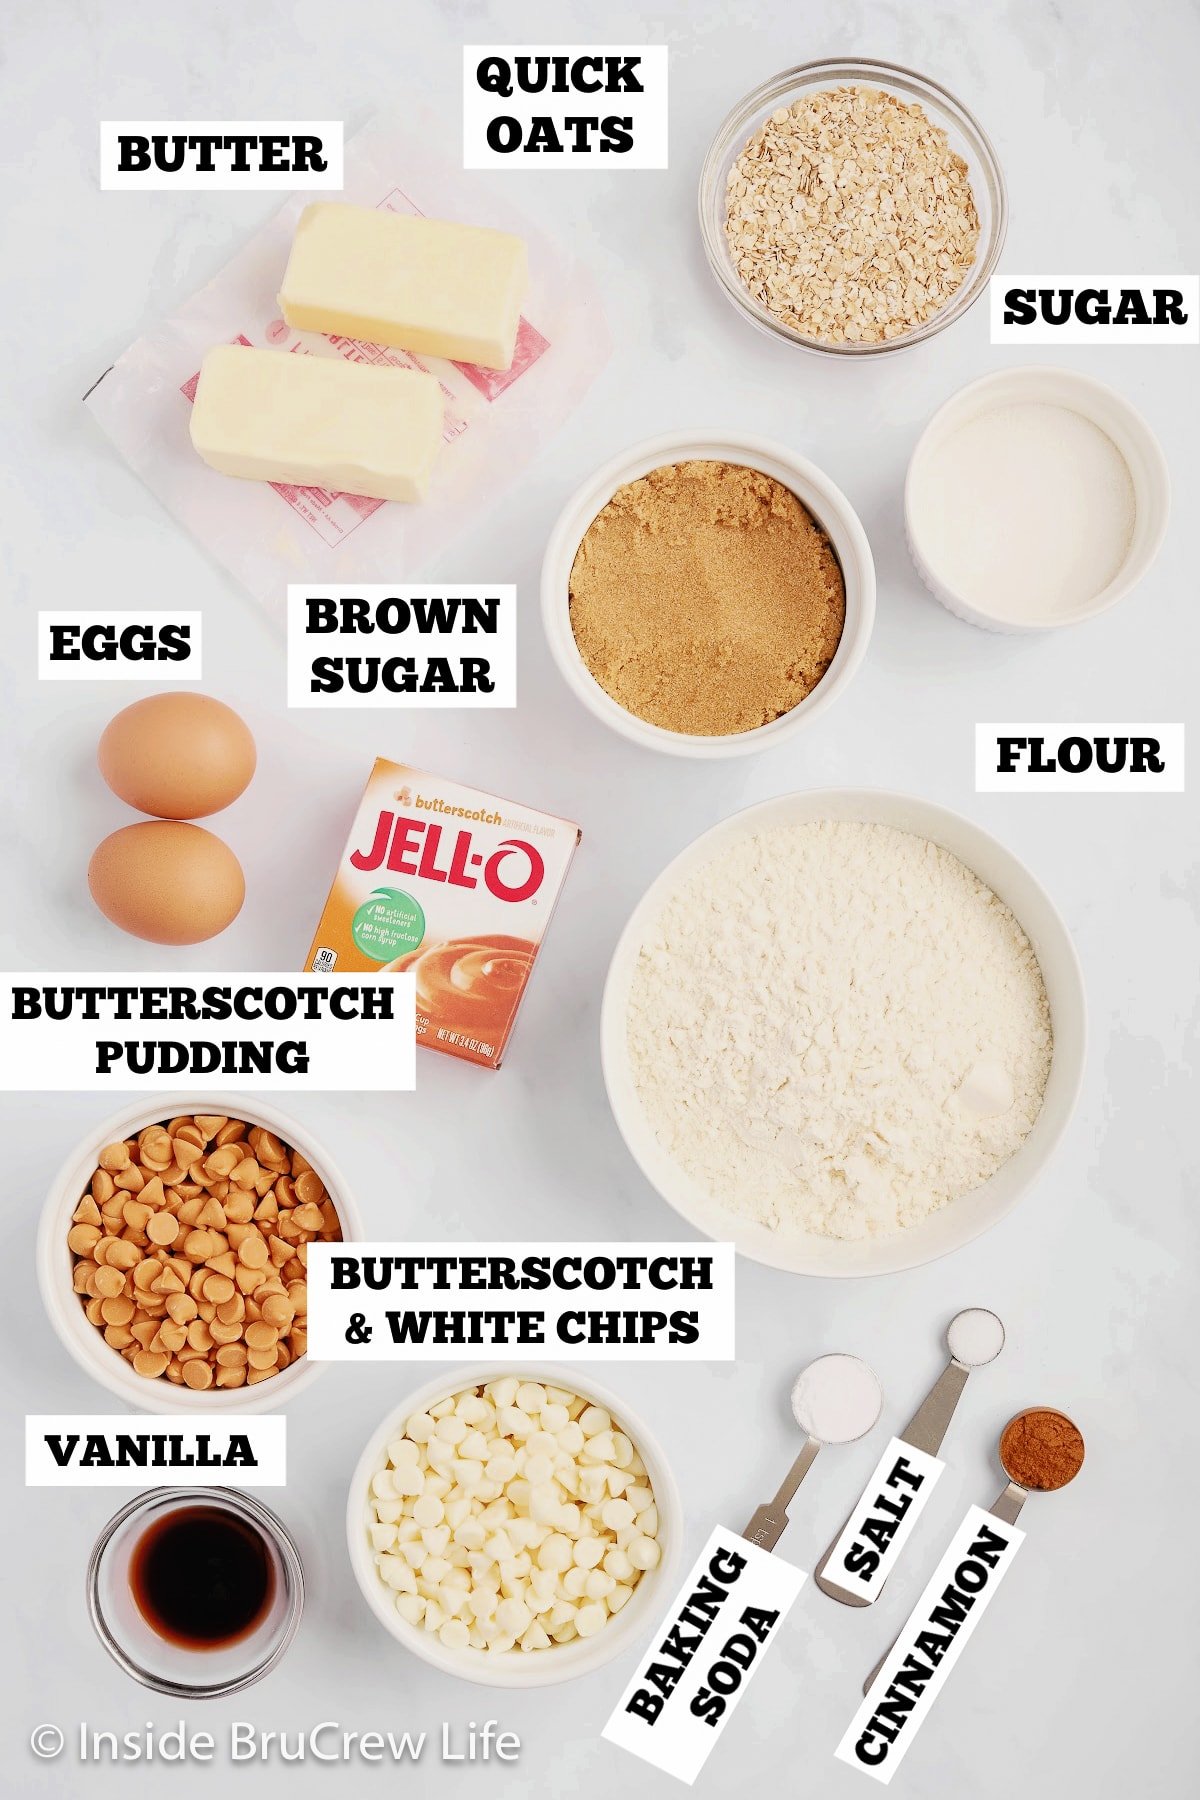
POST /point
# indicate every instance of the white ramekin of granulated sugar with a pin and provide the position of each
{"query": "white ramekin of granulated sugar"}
(1035, 498)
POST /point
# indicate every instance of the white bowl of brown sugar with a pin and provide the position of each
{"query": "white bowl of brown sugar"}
(707, 594)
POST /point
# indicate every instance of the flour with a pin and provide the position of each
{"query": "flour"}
(838, 1028)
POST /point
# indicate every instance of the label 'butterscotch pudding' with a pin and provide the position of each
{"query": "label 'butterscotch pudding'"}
(455, 886)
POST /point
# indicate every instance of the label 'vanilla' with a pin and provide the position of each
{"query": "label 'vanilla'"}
(456, 886)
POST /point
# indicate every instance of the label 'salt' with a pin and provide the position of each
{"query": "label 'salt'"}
(930, 1644)
(884, 1519)
(715, 1634)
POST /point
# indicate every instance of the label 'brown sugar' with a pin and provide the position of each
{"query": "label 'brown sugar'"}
(456, 887)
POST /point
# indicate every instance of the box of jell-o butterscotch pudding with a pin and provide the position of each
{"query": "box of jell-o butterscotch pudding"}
(455, 885)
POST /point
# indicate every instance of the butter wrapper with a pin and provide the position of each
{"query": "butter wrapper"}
(268, 534)
(456, 886)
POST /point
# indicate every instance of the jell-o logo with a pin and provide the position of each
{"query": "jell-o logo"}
(413, 847)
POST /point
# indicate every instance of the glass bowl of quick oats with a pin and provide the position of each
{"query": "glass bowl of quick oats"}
(852, 207)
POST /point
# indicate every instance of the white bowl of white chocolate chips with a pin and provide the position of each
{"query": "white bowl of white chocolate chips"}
(513, 1529)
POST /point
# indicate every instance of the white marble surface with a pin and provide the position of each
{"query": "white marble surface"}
(1078, 1676)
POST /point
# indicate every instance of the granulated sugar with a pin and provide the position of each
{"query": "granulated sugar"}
(1026, 511)
(836, 1027)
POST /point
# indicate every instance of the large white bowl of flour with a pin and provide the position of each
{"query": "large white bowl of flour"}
(844, 1030)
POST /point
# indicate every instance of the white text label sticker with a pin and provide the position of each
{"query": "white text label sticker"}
(423, 1302)
(716, 1632)
(344, 1034)
(1079, 759)
(565, 106)
(930, 1644)
(883, 1521)
(220, 153)
(132, 1450)
(450, 646)
(1109, 309)
(118, 646)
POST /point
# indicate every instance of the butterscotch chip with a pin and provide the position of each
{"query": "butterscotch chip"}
(217, 1252)
(310, 1187)
(253, 1252)
(113, 1156)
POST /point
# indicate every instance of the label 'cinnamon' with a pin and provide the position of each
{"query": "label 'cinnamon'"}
(456, 886)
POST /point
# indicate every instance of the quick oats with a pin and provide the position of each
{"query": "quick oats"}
(849, 217)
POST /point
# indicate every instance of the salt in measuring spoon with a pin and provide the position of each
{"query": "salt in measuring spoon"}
(902, 1483)
(1040, 1421)
(835, 1400)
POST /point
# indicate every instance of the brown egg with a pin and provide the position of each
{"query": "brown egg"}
(177, 755)
(168, 882)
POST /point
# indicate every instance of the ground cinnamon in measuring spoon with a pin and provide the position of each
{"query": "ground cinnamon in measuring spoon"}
(1041, 1449)
(706, 599)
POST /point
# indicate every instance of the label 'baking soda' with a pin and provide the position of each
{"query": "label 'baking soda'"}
(453, 886)
(716, 1632)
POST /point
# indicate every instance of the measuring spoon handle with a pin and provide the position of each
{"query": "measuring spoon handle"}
(924, 1431)
(1006, 1507)
(769, 1522)
(931, 1421)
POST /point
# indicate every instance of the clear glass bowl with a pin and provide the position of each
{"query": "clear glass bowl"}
(190, 1674)
(967, 139)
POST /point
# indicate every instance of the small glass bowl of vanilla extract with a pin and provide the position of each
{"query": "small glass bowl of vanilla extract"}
(195, 1592)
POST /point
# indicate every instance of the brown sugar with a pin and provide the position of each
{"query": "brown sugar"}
(706, 599)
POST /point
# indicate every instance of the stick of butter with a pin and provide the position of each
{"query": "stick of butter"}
(315, 421)
(417, 284)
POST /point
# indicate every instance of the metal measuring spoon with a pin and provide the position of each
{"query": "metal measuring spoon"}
(1007, 1505)
(835, 1400)
(974, 1338)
